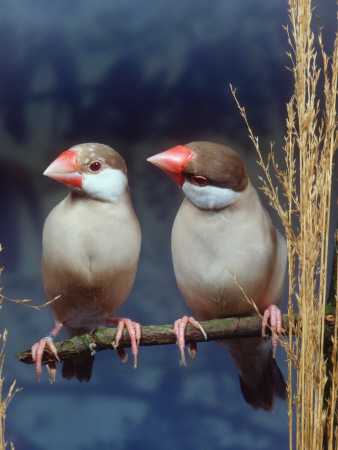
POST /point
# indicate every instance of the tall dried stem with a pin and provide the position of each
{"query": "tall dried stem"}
(311, 134)
(4, 401)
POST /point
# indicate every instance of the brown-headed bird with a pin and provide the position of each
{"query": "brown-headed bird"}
(222, 231)
(91, 246)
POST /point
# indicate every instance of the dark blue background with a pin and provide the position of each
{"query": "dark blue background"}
(140, 76)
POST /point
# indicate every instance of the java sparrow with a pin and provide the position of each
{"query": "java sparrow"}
(223, 231)
(91, 246)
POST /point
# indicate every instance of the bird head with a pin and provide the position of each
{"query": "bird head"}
(211, 175)
(95, 170)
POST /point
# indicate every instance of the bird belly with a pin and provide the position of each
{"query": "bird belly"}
(90, 265)
(212, 293)
(209, 270)
(87, 297)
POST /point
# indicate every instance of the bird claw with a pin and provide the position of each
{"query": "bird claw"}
(38, 348)
(192, 350)
(51, 368)
(37, 352)
(274, 314)
(134, 330)
(122, 354)
(179, 330)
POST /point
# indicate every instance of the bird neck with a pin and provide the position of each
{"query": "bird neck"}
(77, 194)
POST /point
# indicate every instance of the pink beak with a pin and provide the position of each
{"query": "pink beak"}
(172, 161)
(65, 169)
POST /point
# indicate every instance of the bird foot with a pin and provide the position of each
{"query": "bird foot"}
(39, 347)
(51, 368)
(37, 351)
(179, 330)
(122, 354)
(274, 314)
(192, 350)
(134, 330)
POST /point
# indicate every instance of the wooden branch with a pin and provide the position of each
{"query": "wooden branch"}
(103, 338)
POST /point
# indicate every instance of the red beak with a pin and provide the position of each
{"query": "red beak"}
(172, 161)
(65, 169)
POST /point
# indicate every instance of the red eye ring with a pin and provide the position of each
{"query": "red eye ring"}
(95, 166)
(199, 180)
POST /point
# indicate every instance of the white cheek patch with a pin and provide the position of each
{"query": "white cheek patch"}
(210, 197)
(107, 185)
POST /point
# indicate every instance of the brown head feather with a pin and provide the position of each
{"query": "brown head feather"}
(220, 164)
(92, 151)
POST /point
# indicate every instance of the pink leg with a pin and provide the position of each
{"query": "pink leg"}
(38, 349)
(134, 330)
(274, 314)
(179, 329)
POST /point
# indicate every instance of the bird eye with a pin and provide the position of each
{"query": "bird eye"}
(95, 166)
(199, 180)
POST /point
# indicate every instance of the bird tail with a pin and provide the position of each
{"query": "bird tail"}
(80, 366)
(260, 378)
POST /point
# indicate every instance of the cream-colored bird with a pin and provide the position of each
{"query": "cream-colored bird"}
(223, 225)
(91, 247)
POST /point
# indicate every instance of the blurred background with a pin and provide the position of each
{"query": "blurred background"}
(140, 77)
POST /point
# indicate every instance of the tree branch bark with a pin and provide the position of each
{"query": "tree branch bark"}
(103, 338)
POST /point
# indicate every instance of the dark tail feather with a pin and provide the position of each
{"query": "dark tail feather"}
(80, 367)
(259, 376)
(270, 384)
(279, 382)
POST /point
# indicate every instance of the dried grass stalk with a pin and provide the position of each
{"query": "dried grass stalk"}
(311, 137)
(4, 402)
